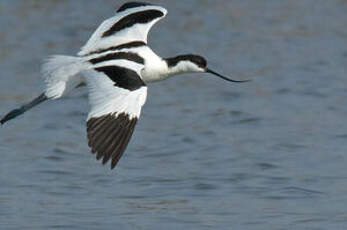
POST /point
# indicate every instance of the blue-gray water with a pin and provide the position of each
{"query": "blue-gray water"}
(206, 154)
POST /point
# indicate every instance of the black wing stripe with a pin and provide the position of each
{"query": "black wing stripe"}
(112, 139)
(93, 124)
(122, 77)
(113, 144)
(141, 17)
(93, 133)
(97, 135)
(97, 130)
(111, 136)
(117, 138)
(103, 137)
(119, 55)
(93, 127)
(122, 147)
(128, 45)
(130, 5)
(117, 152)
(108, 135)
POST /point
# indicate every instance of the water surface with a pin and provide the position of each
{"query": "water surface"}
(206, 154)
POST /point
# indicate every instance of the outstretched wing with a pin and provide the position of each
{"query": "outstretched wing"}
(131, 23)
(116, 96)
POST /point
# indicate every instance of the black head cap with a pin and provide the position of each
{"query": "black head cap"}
(198, 60)
(132, 5)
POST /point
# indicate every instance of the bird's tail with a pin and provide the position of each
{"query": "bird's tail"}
(61, 74)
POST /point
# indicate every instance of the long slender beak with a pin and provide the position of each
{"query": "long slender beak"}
(225, 78)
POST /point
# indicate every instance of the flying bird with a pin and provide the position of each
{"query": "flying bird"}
(115, 64)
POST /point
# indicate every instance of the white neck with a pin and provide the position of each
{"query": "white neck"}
(161, 70)
(157, 69)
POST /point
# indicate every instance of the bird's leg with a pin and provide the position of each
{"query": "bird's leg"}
(16, 112)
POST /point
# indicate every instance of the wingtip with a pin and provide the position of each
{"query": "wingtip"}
(114, 163)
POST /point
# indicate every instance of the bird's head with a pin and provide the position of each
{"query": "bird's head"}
(191, 63)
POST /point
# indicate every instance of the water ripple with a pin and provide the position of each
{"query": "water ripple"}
(293, 192)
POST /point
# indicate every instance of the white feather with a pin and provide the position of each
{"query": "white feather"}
(106, 98)
(61, 74)
(137, 32)
(155, 68)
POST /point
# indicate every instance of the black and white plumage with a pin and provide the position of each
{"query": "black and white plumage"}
(116, 64)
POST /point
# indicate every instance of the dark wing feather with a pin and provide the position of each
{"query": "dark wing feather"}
(110, 138)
